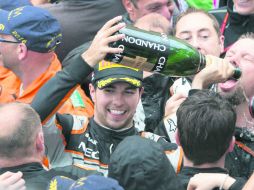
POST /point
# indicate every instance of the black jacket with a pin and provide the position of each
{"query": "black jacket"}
(188, 172)
(136, 167)
(236, 25)
(240, 163)
(36, 177)
(156, 93)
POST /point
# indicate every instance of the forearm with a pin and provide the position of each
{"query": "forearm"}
(215, 180)
(53, 94)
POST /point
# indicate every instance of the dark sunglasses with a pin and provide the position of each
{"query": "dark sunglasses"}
(8, 41)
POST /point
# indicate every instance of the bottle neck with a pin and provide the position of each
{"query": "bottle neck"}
(204, 61)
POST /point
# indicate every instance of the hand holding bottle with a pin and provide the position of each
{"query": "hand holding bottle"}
(99, 46)
(216, 70)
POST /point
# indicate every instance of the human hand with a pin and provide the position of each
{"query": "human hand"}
(100, 44)
(39, 2)
(218, 71)
(12, 181)
(173, 104)
(208, 181)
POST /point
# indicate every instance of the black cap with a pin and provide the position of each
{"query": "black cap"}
(106, 73)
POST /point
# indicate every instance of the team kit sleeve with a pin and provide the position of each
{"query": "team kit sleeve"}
(54, 93)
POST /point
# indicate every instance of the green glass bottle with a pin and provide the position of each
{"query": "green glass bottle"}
(155, 52)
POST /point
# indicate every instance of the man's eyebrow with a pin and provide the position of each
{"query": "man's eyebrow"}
(200, 30)
(131, 87)
(156, 4)
(204, 30)
(185, 32)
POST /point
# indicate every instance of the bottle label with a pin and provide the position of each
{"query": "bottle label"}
(117, 57)
(137, 62)
(144, 43)
(148, 53)
(160, 64)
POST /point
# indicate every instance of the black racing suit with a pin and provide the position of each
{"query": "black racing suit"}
(86, 143)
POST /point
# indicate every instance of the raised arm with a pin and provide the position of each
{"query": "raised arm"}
(53, 94)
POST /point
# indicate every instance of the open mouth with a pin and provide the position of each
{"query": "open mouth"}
(116, 112)
(228, 85)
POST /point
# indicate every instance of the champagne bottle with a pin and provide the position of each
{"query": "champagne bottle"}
(155, 52)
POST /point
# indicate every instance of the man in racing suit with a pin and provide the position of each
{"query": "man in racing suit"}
(115, 90)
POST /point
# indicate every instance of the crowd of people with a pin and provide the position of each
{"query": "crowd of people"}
(71, 120)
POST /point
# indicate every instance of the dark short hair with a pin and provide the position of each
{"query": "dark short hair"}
(216, 25)
(18, 143)
(248, 35)
(206, 124)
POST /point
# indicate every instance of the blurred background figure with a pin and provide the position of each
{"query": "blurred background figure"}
(80, 20)
(206, 4)
(202, 34)
(139, 8)
(235, 19)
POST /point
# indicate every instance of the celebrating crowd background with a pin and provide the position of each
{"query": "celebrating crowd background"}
(73, 137)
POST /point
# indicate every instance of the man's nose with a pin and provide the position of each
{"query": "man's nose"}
(195, 43)
(234, 60)
(118, 99)
(167, 11)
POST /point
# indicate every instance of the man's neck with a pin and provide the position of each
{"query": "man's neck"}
(8, 162)
(220, 163)
(244, 119)
(34, 66)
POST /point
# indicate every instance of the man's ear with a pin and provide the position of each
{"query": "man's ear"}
(128, 5)
(141, 91)
(177, 138)
(231, 145)
(40, 142)
(22, 51)
(221, 41)
(92, 92)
